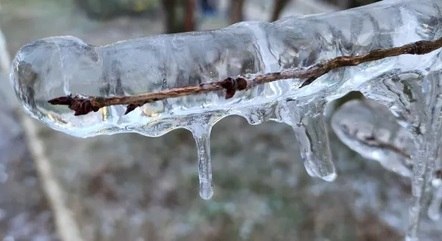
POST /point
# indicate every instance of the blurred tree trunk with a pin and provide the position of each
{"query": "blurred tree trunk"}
(236, 11)
(189, 18)
(278, 6)
(169, 11)
(180, 15)
(351, 3)
(357, 3)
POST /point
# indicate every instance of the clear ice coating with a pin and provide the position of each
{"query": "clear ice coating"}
(398, 123)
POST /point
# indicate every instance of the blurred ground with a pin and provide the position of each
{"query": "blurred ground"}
(129, 187)
(24, 210)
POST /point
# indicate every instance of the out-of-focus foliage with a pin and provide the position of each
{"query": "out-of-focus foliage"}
(103, 9)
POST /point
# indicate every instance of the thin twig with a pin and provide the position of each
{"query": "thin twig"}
(85, 104)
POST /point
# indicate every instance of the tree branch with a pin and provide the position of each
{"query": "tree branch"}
(85, 104)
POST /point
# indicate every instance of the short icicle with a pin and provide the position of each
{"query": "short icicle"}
(418, 186)
(201, 134)
(426, 162)
(310, 128)
(435, 206)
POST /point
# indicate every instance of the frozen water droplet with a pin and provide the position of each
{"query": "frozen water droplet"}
(201, 134)
(311, 133)
(371, 130)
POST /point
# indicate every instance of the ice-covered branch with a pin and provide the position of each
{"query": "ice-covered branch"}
(85, 104)
(397, 123)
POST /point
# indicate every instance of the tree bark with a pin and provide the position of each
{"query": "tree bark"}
(179, 15)
(189, 18)
(236, 11)
(278, 6)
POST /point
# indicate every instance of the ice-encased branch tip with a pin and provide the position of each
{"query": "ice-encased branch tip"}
(84, 104)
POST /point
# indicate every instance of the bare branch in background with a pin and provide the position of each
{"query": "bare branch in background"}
(85, 104)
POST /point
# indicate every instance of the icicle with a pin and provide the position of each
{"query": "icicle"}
(435, 206)
(309, 125)
(201, 133)
(435, 101)
(418, 185)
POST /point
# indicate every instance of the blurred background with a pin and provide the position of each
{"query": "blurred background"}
(130, 187)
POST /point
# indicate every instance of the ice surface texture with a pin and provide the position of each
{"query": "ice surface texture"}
(406, 87)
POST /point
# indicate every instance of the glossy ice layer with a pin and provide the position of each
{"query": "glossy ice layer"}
(406, 87)
(59, 66)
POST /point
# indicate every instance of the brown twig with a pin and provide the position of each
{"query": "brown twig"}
(85, 104)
